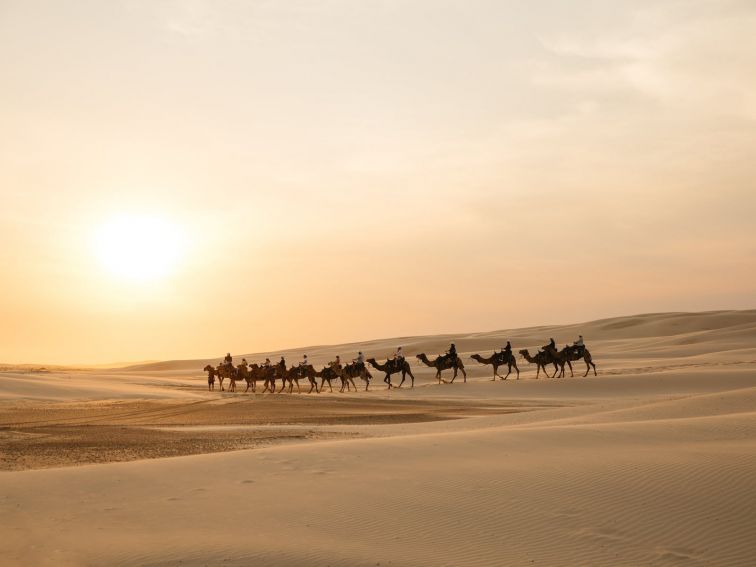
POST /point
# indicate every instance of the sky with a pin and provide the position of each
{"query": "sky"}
(336, 171)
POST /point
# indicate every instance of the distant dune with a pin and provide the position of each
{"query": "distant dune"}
(672, 328)
(652, 462)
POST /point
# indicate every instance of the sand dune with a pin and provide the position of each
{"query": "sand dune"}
(653, 462)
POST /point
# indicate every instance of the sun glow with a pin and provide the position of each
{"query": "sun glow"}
(139, 248)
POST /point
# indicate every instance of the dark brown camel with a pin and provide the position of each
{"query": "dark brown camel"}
(326, 375)
(541, 359)
(392, 367)
(570, 354)
(499, 359)
(210, 377)
(444, 363)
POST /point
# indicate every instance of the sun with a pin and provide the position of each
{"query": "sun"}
(139, 248)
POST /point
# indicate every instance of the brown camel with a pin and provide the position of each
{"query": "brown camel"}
(351, 371)
(392, 367)
(444, 363)
(499, 359)
(224, 371)
(210, 377)
(293, 375)
(569, 354)
(268, 375)
(326, 375)
(541, 359)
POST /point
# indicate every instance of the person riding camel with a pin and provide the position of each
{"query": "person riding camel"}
(266, 364)
(228, 360)
(399, 357)
(451, 354)
(243, 363)
(335, 364)
(359, 362)
(551, 344)
(282, 365)
(579, 345)
(506, 352)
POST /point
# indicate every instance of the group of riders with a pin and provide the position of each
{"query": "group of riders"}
(449, 359)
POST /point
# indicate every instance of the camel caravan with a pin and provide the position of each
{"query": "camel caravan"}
(269, 374)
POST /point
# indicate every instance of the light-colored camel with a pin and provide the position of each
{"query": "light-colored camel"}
(541, 359)
(390, 367)
(210, 377)
(570, 354)
(444, 363)
(499, 359)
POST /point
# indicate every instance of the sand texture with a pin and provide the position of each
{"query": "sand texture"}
(652, 462)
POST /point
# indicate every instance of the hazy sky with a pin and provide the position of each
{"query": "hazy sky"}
(343, 170)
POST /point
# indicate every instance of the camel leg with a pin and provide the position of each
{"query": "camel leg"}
(464, 374)
(387, 380)
(518, 370)
(412, 377)
(353, 384)
(404, 376)
(572, 374)
(509, 371)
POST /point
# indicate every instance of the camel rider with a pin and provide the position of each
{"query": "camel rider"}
(399, 357)
(304, 362)
(359, 362)
(452, 354)
(506, 352)
(282, 365)
(266, 364)
(243, 363)
(228, 360)
(551, 344)
(579, 345)
(335, 364)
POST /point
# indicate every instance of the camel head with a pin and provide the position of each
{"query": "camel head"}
(476, 357)
(421, 356)
(208, 368)
(524, 352)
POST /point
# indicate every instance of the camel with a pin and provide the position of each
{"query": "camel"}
(268, 375)
(210, 377)
(326, 375)
(293, 375)
(391, 367)
(499, 359)
(541, 359)
(444, 363)
(351, 371)
(569, 354)
(224, 371)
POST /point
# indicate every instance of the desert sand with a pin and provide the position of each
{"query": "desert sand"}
(652, 462)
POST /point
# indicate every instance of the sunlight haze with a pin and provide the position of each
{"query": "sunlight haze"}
(183, 179)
